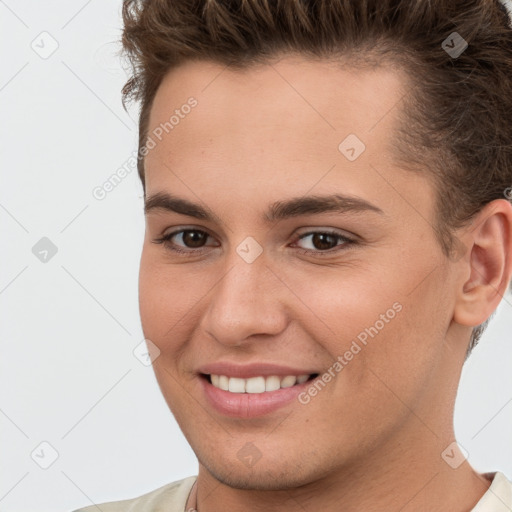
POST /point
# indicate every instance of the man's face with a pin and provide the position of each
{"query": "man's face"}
(366, 307)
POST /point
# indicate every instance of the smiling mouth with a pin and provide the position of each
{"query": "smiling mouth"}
(258, 384)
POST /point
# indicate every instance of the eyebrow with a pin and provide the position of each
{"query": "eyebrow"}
(279, 210)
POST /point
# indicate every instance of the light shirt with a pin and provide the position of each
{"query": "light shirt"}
(173, 498)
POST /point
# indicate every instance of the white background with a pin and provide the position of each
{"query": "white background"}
(69, 325)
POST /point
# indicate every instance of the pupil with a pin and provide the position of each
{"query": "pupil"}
(193, 238)
(321, 237)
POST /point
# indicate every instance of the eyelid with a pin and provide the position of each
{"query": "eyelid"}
(328, 231)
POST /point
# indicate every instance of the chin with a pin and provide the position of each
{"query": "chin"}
(263, 476)
(257, 480)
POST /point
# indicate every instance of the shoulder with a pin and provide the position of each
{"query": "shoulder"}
(498, 497)
(171, 497)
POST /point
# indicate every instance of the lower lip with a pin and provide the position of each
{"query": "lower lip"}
(250, 405)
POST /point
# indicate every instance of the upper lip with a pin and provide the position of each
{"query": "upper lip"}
(247, 371)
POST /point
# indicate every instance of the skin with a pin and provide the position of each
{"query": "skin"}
(372, 439)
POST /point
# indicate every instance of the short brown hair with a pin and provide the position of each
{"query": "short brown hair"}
(456, 121)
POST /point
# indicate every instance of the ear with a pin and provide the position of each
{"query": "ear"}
(487, 267)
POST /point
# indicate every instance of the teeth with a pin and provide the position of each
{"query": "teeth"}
(272, 383)
(288, 381)
(256, 384)
(223, 382)
(236, 385)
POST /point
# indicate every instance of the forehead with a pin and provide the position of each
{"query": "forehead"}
(292, 98)
(280, 123)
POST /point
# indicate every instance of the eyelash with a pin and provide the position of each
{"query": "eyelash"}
(166, 241)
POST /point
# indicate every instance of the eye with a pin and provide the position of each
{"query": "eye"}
(192, 240)
(323, 242)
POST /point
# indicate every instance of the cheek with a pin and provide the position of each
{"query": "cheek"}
(170, 301)
(150, 296)
(161, 301)
(404, 356)
(382, 324)
(352, 304)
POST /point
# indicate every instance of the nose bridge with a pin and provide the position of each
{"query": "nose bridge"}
(244, 302)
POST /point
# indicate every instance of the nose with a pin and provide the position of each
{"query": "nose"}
(247, 301)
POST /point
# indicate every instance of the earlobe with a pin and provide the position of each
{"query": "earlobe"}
(488, 265)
